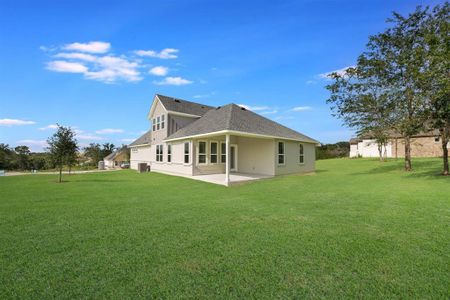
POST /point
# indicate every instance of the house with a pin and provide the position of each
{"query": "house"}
(424, 144)
(117, 158)
(191, 139)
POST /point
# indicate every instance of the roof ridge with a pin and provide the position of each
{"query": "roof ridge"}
(184, 100)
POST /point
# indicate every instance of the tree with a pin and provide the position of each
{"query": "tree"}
(6, 157)
(23, 157)
(94, 153)
(108, 148)
(400, 51)
(436, 79)
(62, 146)
(360, 100)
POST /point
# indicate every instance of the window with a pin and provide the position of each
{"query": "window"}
(213, 152)
(223, 152)
(202, 152)
(159, 152)
(154, 124)
(158, 121)
(169, 153)
(301, 153)
(186, 152)
(281, 153)
(437, 139)
(134, 150)
(162, 121)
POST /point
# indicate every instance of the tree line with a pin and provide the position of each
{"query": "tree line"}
(400, 83)
(63, 151)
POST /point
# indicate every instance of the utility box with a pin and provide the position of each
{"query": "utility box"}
(143, 167)
(101, 165)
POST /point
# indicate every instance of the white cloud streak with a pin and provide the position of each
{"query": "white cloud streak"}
(167, 53)
(254, 108)
(173, 81)
(339, 71)
(48, 127)
(109, 131)
(66, 67)
(15, 122)
(301, 108)
(159, 71)
(91, 47)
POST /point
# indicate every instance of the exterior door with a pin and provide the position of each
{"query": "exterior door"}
(233, 158)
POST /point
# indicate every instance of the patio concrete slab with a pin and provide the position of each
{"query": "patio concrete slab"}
(235, 178)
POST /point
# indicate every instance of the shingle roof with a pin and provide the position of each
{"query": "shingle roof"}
(183, 106)
(143, 140)
(235, 118)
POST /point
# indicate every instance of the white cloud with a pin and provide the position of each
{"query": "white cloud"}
(66, 67)
(127, 140)
(159, 71)
(35, 145)
(76, 55)
(173, 81)
(269, 112)
(91, 47)
(339, 71)
(109, 131)
(51, 126)
(113, 68)
(309, 82)
(15, 122)
(89, 137)
(301, 108)
(167, 53)
(254, 108)
(204, 95)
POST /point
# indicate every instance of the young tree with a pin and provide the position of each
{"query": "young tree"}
(62, 146)
(23, 157)
(436, 79)
(359, 99)
(400, 51)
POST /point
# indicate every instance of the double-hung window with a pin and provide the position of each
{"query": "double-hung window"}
(202, 152)
(223, 152)
(154, 124)
(186, 152)
(162, 121)
(159, 153)
(158, 122)
(281, 154)
(301, 153)
(169, 153)
(213, 152)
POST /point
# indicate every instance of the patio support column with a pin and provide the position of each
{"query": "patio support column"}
(227, 160)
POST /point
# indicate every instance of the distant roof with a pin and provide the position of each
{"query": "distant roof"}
(394, 134)
(184, 106)
(235, 118)
(114, 154)
(143, 139)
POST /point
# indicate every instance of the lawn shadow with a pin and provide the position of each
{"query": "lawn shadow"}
(421, 169)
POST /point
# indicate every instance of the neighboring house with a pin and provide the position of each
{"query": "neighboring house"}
(116, 158)
(426, 144)
(192, 139)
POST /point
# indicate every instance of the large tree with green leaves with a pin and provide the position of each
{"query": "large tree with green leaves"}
(62, 147)
(360, 100)
(436, 79)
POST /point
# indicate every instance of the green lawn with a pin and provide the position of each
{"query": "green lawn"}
(357, 228)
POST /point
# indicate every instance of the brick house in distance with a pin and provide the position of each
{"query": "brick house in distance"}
(426, 144)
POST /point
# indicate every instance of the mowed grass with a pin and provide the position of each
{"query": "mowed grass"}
(357, 228)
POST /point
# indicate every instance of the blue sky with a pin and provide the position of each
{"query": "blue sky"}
(95, 65)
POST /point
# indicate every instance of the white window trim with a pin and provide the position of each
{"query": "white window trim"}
(206, 153)
(154, 124)
(189, 153)
(217, 153)
(158, 123)
(278, 153)
(221, 154)
(303, 145)
(163, 122)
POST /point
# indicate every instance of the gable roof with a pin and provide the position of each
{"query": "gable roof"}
(232, 117)
(183, 106)
(144, 139)
(114, 154)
